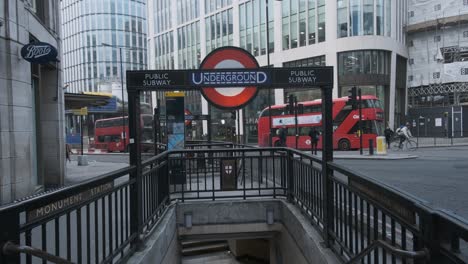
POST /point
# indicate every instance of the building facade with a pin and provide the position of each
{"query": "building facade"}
(101, 41)
(94, 34)
(438, 53)
(32, 152)
(364, 40)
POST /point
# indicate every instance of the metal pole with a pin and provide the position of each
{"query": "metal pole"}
(268, 65)
(295, 120)
(327, 156)
(238, 127)
(360, 121)
(123, 102)
(136, 202)
(81, 132)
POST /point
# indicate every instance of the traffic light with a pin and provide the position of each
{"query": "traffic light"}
(233, 115)
(291, 104)
(352, 97)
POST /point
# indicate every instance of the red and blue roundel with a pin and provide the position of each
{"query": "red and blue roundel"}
(224, 58)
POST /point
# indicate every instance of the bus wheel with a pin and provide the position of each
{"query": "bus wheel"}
(344, 144)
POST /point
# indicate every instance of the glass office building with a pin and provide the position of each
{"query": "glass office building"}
(93, 35)
(362, 39)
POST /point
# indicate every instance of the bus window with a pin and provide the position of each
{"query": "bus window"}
(312, 108)
(369, 127)
(274, 112)
(304, 131)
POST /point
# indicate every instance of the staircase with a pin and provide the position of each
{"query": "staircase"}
(209, 252)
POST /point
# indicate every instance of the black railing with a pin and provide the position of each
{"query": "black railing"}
(105, 219)
(85, 223)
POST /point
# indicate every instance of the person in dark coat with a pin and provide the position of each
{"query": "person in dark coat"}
(388, 132)
(282, 136)
(68, 152)
(314, 138)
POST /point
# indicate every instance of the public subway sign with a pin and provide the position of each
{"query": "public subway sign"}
(39, 52)
(68, 202)
(307, 77)
(229, 78)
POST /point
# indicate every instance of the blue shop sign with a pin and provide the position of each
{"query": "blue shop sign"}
(39, 52)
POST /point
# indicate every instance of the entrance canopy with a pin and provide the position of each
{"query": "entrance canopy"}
(262, 78)
(80, 100)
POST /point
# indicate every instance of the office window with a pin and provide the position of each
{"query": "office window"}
(436, 75)
(411, 61)
(436, 38)
(437, 7)
(411, 13)
(342, 18)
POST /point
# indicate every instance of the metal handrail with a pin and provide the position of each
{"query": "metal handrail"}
(424, 253)
(10, 248)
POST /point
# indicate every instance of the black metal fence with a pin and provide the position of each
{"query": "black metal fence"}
(104, 220)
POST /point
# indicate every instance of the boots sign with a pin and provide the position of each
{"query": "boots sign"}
(39, 53)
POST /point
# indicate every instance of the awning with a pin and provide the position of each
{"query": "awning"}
(80, 100)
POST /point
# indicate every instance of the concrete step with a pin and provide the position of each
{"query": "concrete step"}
(203, 247)
(210, 258)
(187, 244)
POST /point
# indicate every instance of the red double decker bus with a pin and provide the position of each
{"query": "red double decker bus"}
(345, 123)
(108, 133)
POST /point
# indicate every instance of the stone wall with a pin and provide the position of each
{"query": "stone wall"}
(31, 118)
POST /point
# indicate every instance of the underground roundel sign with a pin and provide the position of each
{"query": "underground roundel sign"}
(229, 57)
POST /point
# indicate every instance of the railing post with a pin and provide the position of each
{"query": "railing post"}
(9, 231)
(290, 175)
(136, 210)
(327, 156)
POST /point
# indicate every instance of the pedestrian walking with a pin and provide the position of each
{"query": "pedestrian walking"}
(388, 132)
(68, 152)
(314, 138)
(282, 136)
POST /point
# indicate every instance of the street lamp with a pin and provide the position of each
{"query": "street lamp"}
(122, 86)
(268, 65)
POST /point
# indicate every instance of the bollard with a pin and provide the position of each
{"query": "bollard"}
(371, 147)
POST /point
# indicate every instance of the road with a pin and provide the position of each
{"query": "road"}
(438, 176)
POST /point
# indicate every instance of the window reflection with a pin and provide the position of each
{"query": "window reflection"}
(366, 17)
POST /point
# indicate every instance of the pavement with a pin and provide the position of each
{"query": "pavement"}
(75, 173)
(106, 162)
(391, 155)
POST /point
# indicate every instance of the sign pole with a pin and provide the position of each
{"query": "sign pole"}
(81, 132)
(295, 120)
(360, 121)
(238, 127)
(268, 66)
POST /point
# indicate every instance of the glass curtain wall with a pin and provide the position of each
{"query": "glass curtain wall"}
(368, 70)
(219, 30)
(214, 5)
(85, 26)
(161, 14)
(363, 17)
(252, 27)
(299, 20)
(188, 40)
(164, 51)
(187, 10)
